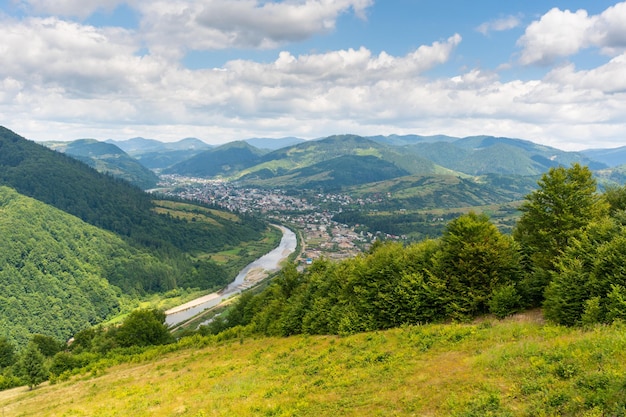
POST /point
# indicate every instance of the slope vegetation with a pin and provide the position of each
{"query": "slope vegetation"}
(54, 270)
(109, 159)
(479, 155)
(221, 161)
(83, 238)
(516, 367)
(114, 205)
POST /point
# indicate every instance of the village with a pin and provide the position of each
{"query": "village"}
(311, 217)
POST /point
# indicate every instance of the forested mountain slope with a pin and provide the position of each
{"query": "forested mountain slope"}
(55, 270)
(105, 202)
(331, 175)
(57, 258)
(154, 154)
(224, 160)
(479, 155)
(109, 159)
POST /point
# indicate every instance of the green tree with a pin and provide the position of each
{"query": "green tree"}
(615, 196)
(586, 273)
(47, 345)
(565, 202)
(143, 328)
(7, 353)
(475, 259)
(32, 366)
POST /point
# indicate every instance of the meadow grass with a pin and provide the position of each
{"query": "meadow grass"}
(489, 368)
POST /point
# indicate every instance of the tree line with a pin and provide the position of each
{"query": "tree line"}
(566, 254)
(45, 357)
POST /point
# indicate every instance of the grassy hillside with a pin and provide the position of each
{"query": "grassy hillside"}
(516, 367)
(333, 163)
(420, 206)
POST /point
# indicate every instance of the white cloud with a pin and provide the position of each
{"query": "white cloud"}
(561, 33)
(609, 31)
(64, 80)
(76, 59)
(172, 27)
(251, 23)
(499, 25)
(557, 34)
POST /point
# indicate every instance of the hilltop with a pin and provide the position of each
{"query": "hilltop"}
(109, 159)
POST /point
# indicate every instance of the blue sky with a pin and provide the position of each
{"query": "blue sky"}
(221, 70)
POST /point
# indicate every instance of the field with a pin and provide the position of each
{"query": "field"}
(519, 366)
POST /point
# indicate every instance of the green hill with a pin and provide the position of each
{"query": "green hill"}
(54, 270)
(420, 206)
(479, 155)
(331, 175)
(109, 159)
(84, 238)
(615, 175)
(515, 367)
(114, 205)
(157, 155)
(220, 161)
(334, 163)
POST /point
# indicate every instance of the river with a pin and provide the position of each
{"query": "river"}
(246, 278)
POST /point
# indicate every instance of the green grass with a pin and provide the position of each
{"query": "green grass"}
(248, 251)
(517, 367)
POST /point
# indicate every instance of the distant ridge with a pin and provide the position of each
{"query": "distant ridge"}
(612, 157)
(141, 145)
(108, 158)
(273, 144)
(222, 160)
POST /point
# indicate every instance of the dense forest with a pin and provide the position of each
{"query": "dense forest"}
(59, 275)
(109, 203)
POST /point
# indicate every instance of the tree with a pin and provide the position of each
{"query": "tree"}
(615, 196)
(586, 274)
(47, 345)
(32, 366)
(475, 260)
(565, 202)
(7, 353)
(143, 328)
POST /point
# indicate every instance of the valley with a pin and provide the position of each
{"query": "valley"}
(392, 239)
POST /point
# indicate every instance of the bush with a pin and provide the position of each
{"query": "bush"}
(504, 301)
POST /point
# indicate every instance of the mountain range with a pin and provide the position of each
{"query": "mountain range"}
(335, 162)
(341, 161)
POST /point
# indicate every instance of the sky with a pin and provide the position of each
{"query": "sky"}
(549, 71)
